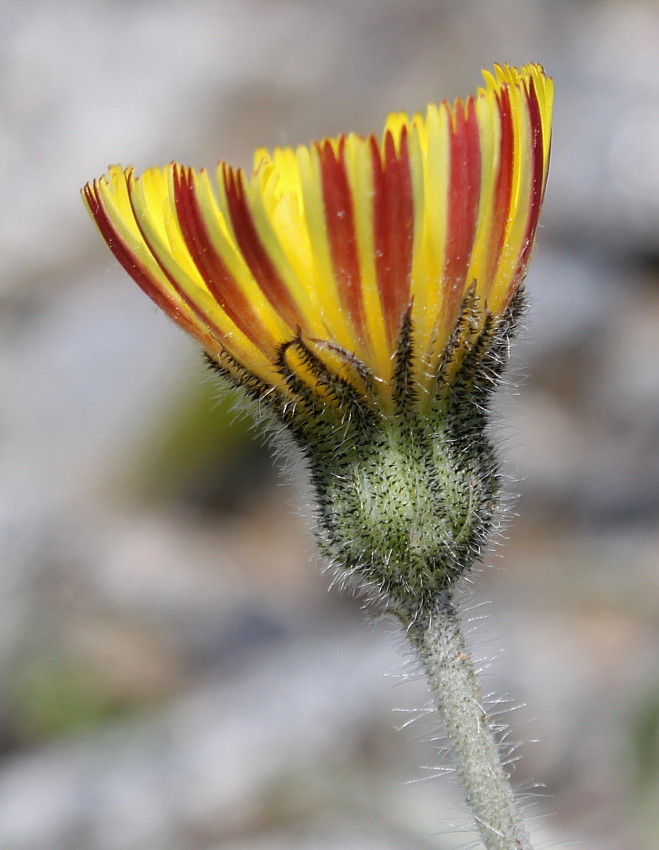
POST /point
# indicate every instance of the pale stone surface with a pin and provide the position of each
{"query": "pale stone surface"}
(229, 701)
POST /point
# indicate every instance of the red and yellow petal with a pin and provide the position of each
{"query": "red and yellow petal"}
(335, 242)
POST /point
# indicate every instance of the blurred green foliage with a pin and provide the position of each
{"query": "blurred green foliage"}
(203, 451)
(51, 696)
(645, 766)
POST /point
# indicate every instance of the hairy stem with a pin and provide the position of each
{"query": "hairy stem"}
(439, 642)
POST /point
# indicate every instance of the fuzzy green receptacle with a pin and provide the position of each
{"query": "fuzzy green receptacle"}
(406, 497)
(363, 292)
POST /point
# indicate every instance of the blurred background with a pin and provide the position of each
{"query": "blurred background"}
(174, 674)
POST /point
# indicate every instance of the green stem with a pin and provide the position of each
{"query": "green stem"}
(440, 644)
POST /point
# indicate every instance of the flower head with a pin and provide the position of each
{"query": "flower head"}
(323, 253)
(365, 289)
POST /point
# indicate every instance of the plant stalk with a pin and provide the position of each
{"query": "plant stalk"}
(437, 637)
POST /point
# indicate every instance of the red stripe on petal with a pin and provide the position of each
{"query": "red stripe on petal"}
(207, 323)
(537, 176)
(220, 282)
(393, 226)
(153, 288)
(252, 250)
(463, 200)
(504, 184)
(341, 236)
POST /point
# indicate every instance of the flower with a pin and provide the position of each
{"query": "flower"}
(323, 252)
(365, 291)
